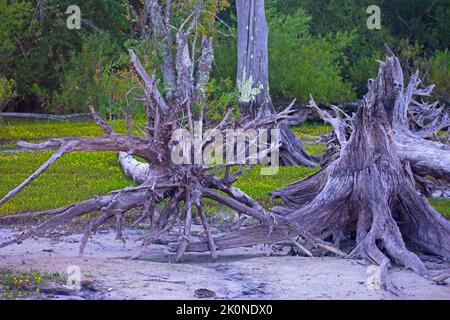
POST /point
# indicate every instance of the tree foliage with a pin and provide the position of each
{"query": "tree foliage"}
(321, 47)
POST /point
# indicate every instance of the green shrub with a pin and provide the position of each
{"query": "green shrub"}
(439, 74)
(84, 78)
(6, 92)
(222, 96)
(103, 71)
(301, 65)
(362, 70)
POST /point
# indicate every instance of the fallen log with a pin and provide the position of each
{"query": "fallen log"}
(43, 116)
(177, 187)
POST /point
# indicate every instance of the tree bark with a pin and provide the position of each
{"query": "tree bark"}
(425, 156)
(253, 78)
(161, 180)
(365, 195)
(253, 57)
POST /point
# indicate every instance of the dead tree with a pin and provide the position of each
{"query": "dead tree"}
(185, 73)
(366, 193)
(180, 188)
(417, 127)
(253, 77)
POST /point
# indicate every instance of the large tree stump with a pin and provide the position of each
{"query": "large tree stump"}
(365, 194)
(368, 191)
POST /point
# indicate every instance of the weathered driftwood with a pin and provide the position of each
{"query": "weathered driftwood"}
(415, 124)
(136, 170)
(416, 128)
(365, 192)
(179, 187)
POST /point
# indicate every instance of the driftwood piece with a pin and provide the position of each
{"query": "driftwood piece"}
(366, 192)
(177, 187)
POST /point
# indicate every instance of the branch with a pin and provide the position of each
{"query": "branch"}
(32, 215)
(151, 90)
(262, 121)
(99, 121)
(161, 26)
(123, 202)
(128, 144)
(336, 122)
(194, 16)
(37, 173)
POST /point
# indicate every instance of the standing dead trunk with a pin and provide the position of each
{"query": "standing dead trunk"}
(369, 191)
(366, 195)
(157, 18)
(204, 69)
(253, 57)
(253, 77)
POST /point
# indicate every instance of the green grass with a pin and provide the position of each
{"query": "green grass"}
(74, 177)
(80, 176)
(315, 149)
(13, 130)
(311, 130)
(441, 205)
(258, 186)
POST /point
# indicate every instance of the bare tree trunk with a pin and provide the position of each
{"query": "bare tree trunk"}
(158, 18)
(366, 193)
(253, 57)
(389, 212)
(253, 77)
(204, 69)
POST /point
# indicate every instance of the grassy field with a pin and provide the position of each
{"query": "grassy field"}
(74, 177)
(82, 175)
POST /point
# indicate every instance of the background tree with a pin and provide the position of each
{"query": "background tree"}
(253, 77)
(6, 92)
(253, 57)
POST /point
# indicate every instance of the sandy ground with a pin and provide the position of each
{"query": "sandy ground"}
(247, 273)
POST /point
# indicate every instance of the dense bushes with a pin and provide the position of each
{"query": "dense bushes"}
(299, 64)
(416, 30)
(101, 71)
(439, 73)
(322, 47)
(6, 92)
(37, 49)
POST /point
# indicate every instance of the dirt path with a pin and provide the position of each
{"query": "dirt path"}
(239, 274)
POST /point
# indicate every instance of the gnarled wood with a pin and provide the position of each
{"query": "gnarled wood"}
(366, 193)
(161, 180)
